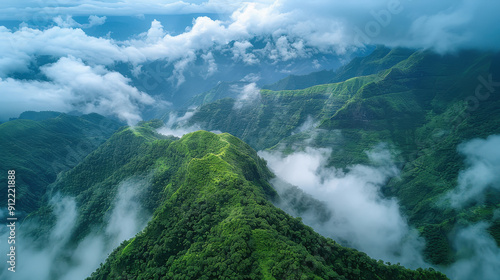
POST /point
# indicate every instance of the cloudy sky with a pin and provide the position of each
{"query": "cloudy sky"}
(55, 40)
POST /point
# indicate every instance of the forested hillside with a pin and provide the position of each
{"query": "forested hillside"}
(215, 219)
(212, 216)
(216, 139)
(41, 145)
(424, 105)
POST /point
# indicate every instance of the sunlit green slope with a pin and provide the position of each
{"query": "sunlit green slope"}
(423, 105)
(214, 217)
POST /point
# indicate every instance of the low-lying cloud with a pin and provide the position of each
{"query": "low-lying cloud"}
(178, 126)
(291, 28)
(360, 216)
(57, 259)
(309, 125)
(478, 254)
(353, 211)
(482, 159)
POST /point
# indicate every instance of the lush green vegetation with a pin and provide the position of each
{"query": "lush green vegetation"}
(419, 102)
(41, 145)
(129, 153)
(213, 216)
(279, 113)
(301, 82)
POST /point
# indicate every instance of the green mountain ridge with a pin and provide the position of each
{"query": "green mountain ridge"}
(423, 104)
(216, 220)
(220, 91)
(293, 82)
(213, 215)
(380, 59)
(282, 111)
(212, 204)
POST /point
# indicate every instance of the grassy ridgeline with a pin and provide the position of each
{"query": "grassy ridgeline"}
(213, 216)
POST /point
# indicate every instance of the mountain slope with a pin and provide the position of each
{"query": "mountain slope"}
(217, 222)
(94, 182)
(303, 81)
(380, 59)
(222, 90)
(262, 123)
(425, 105)
(38, 146)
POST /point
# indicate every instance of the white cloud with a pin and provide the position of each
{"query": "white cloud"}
(96, 20)
(180, 66)
(327, 25)
(309, 125)
(69, 22)
(289, 28)
(155, 33)
(240, 53)
(35, 9)
(251, 78)
(464, 24)
(56, 258)
(294, 31)
(361, 217)
(211, 65)
(316, 64)
(19, 96)
(19, 48)
(73, 85)
(482, 158)
(285, 50)
(178, 126)
(247, 94)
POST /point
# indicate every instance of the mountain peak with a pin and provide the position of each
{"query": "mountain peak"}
(217, 221)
